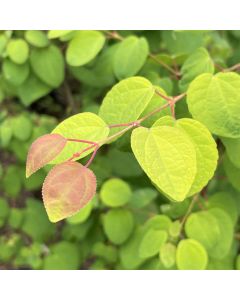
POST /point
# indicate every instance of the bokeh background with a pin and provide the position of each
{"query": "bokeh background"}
(38, 89)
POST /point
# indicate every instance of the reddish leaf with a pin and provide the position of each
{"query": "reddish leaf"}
(67, 188)
(43, 150)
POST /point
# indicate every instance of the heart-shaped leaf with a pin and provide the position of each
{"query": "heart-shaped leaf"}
(67, 188)
(168, 157)
(43, 150)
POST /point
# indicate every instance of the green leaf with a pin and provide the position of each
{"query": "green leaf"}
(84, 126)
(129, 255)
(3, 43)
(142, 197)
(16, 217)
(152, 242)
(233, 149)
(11, 181)
(130, 56)
(54, 34)
(158, 222)
(22, 127)
(4, 209)
(101, 73)
(118, 225)
(233, 173)
(36, 38)
(32, 89)
(191, 255)
(203, 227)
(84, 47)
(183, 41)
(14, 73)
(117, 106)
(206, 152)
(197, 63)
(5, 132)
(48, 65)
(115, 192)
(167, 255)
(238, 263)
(168, 157)
(18, 51)
(36, 223)
(214, 100)
(226, 202)
(63, 256)
(225, 224)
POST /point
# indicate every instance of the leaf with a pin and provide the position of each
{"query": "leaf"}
(205, 146)
(101, 73)
(62, 256)
(118, 225)
(67, 188)
(191, 255)
(206, 152)
(233, 173)
(226, 202)
(14, 73)
(167, 255)
(115, 192)
(152, 242)
(18, 51)
(54, 34)
(36, 224)
(214, 100)
(84, 126)
(197, 63)
(183, 41)
(32, 89)
(129, 255)
(22, 127)
(48, 65)
(203, 227)
(43, 150)
(36, 38)
(143, 197)
(117, 106)
(225, 224)
(158, 222)
(233, 149)
(168, 157)
(130, 56)
(85, 45)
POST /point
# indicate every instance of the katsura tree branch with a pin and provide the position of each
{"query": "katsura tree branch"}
(96, 145)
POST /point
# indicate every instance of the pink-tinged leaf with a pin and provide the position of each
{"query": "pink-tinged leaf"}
(67, 188)
(43, 150)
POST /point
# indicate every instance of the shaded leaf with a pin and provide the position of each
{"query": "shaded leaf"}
(43, 150)
(67, 188)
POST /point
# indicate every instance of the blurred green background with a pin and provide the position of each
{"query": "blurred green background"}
(38, 89)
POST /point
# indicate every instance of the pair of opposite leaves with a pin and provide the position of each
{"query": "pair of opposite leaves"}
(69, 186)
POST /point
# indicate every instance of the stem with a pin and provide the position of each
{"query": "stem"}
(92, 157)
(191, 205)
(160, 62)
(82, 141)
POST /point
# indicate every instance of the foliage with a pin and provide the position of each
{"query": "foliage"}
(132, 140)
